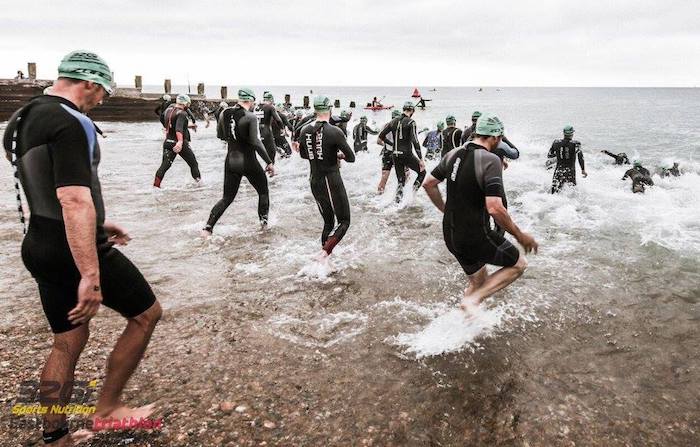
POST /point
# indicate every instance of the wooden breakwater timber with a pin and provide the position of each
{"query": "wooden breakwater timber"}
(125, 105)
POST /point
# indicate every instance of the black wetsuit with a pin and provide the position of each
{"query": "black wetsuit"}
(640, 176)
(161, 108)
(359, 136)
(320, 143)
(341, 123)
(278, 131)
(620, 159)
(472, 174)
(56, 147)
(175, 120)
(405, 141)
(467, 134)
(432, 144)
(451, 138)
(566, 151)
(239, 128)
(388, 150)
(266, 113)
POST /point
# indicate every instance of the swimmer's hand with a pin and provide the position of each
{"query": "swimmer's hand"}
(178, 147)
(295, 146)
(421, 163)
(270, 170)
(584, 174)
(117, 233)
(89, 300)
(341, 156)
(528, 242)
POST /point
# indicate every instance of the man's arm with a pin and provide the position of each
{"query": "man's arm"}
(344, 147)
(255, 141)
(384, 132)
(414, 140)
(580, 159)
(494, 206)
(431, 188)
(79, 218)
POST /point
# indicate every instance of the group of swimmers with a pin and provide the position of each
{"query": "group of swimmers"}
(69, 245)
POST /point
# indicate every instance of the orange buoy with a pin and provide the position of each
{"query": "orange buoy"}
(416, 93)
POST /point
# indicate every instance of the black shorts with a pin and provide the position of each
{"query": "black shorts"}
(492, 248)
(387, 161)
(124, 288)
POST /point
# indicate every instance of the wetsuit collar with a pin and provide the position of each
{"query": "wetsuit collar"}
(476, 146)
(54, 98)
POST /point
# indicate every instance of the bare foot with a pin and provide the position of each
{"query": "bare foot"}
(471, 306)
(206, 234)
(80, 436)
(322, 256)
(101, 420)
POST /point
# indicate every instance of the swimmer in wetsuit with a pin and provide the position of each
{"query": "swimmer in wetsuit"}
(566, 151)
(324, 145)
(474, 194)
(451, 136)
(239, 128)
(672, 171)
(640, 176)
(468, 132)
(620, 159)
(360, 133)
(341, 121)
(387, 154)
(279, 132)
(266, 113)
(405, 141)
(433, 142)
(69, 246)
(177, 140)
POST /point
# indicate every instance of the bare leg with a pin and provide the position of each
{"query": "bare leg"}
(382, 182)
(122, 362)
(492, 284)
(60, 369)
(476, 280)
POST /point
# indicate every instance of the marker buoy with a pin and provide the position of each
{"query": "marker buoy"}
(416, 93)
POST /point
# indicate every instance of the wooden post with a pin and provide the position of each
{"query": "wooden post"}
(352, 104)
(287, 99)
(167, 86)
(31, 71)
(224, 92)
(200, 88)
(306, 102)
(138, 82)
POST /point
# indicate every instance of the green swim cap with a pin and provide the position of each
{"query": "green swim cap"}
(322, 103)
(246, 94)
(568, 130)
(450, 119)
(408, 105)
(476, 115)
(267, 96)
(363, 118)
(440, 125)
(489, 125)
(183, 99)
(86, 66)
(637, 164)
(395, 113)
(344, 114)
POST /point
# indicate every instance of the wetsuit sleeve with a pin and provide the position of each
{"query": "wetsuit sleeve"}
(627, 174)
(610, 154)
(71, 156)
(492, 177)
(344, 147)
(371, 131)
(287, 124)
(425, 140)
(181, 123)
(356, 133)
(414, 139)
(255, 141)
(386, 130)
(457, 138)
(553, 149)
(580, 156)
(191, 115)
(276, 117)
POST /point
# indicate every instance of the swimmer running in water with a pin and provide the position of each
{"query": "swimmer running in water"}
(405, 141)
(451, 136)
(474, 192)
(468, 132)
(177, 140)
(387, 154)
(324, 145)
(360, 133)
(566, 151)
(239, 128)
(266, 113)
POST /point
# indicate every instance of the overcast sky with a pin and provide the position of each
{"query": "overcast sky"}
(364, 42)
